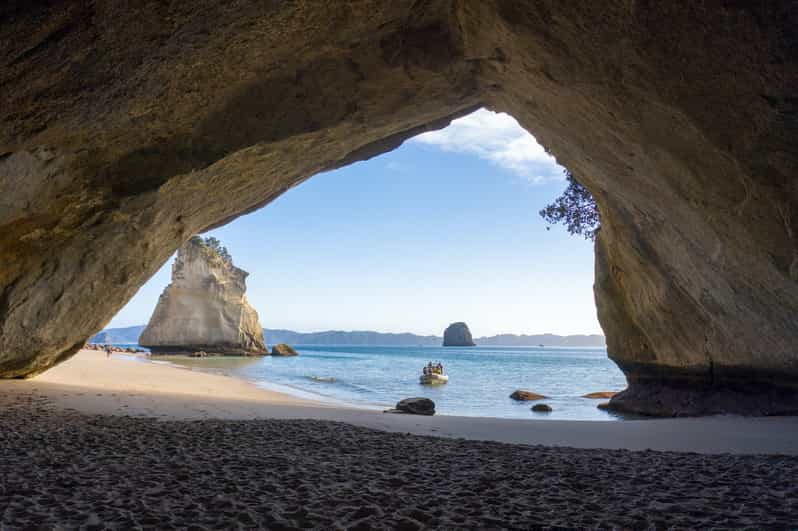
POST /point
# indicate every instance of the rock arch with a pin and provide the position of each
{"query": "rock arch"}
(126, 130)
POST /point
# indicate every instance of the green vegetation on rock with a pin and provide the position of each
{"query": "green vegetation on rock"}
(575, 208)
(214, 245)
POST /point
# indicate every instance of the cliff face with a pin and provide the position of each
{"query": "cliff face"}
(119, 141)
(458, 335)
(204, 308)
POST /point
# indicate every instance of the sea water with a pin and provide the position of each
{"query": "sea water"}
(480, 378)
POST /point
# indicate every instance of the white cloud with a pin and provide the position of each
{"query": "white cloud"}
(498, 138)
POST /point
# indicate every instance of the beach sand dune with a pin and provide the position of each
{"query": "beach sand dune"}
(177, 448)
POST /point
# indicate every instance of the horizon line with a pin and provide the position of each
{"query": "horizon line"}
(394, 333)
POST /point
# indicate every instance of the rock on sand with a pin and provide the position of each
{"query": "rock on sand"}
(414, 406)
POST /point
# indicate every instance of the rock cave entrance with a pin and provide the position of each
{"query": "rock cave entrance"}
(451, 213)
(680, 121)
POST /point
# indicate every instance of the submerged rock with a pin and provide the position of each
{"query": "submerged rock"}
(414, 406)
(601, 394)
(283, 349)
(204, 308)
(541, 408)
(522, 395)
(458, 335)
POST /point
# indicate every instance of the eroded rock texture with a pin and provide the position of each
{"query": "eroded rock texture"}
(125, 128)
(204, 308)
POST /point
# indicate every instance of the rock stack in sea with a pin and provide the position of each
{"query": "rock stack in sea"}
(205, 307)
(458, 335)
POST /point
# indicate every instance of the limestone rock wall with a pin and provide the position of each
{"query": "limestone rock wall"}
(118, 141)
(678, 118)
(204, 308)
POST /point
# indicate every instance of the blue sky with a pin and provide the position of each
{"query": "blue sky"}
(445, 228)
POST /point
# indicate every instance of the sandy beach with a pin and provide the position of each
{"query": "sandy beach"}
(126, 443)
(90, 383)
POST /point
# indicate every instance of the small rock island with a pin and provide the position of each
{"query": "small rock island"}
(281, 349)
(458, 335)
(204, 308)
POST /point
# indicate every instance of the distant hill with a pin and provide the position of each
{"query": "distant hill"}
(549, 340)
(131, 334)
(338, 337)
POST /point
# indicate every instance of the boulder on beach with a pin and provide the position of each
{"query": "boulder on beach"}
(523, 396)
(414, 406)
(198, 354)
(601, 394)
(205, 306)
(541, 408)
(458, 335)
(282, 349)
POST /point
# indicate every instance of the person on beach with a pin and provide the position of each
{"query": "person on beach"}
(107, 351)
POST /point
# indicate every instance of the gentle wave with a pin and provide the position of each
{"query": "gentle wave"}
(325, 379)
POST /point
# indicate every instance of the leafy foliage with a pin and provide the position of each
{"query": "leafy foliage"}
(215, 245)
(575, 208)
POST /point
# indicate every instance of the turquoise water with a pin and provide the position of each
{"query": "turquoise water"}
(480, 378)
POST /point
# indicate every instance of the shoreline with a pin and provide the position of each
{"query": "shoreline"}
(264, 385)
(93, 385)
(470, 394)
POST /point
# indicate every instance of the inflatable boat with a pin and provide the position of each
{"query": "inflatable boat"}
(433, 379)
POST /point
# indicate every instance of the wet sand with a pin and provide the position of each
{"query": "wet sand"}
(184, 456)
